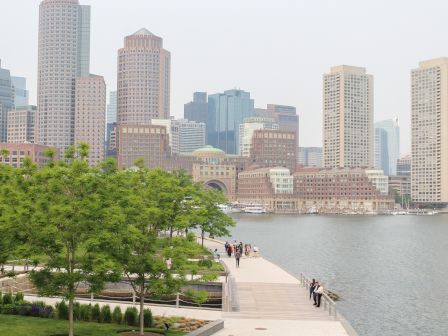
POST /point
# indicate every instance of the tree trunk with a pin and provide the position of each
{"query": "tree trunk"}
(142, 319)
(70, 316)
(202, 237)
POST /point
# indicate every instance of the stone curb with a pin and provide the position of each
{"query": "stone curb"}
(209, 329)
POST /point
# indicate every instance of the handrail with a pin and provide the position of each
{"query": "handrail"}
(328, 301)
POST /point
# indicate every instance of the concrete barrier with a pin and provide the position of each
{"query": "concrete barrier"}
(209, 329)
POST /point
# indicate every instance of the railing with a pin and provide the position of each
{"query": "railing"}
(327, 302)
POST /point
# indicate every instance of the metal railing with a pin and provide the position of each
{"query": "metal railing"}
(327, 301)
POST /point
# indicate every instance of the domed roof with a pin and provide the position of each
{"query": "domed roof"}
(209, 149)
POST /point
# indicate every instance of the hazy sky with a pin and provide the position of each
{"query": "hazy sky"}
(277, 50)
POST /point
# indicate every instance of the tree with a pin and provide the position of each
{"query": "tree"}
(7, 195)
(67, 222)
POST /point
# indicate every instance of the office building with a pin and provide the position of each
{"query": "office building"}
(404, 166)
(64, 52)
(390, 126)
(429, 91)
(111, 126)
(90, 114)
(348, 117)
(18, 152)
(143, 87)
(197, 110)
(285, 116)
(21, 124)
(247, 129)
(310, 156)
(111, 116)
(274, 148)
(6, 101)
(226, 112)
(21, 94)
(382, 150)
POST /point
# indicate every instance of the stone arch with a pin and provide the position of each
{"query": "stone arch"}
(216, 184)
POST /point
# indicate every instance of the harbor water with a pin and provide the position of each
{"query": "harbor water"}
(390, 271)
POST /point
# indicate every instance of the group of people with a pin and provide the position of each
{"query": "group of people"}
(316, 292)
(237, 249)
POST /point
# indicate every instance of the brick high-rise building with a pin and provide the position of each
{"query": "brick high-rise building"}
(347, 117)
(429, 173)
(90, 115)
(247, 129)
(18, 152)
(64, 53)
(143, 87)
(274, 148)
(21, 124)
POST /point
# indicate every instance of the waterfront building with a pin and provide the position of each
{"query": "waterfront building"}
(147, 142)
(310, 156)
(90, 114)
(197, 110)
(347, 117)
(21, 94)
(6, 101)
(21, 124)
(226, 112)
(271, 188)
(143, 86)
(390, 126)
(379, 180)
(404, 166)
(64, 55)
(338, 190)
(381, 150)
(274, 148)
(247, 129)
(18, 152)
(400, 186)
(429, 173)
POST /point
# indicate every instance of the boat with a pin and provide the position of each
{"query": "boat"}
(254, 209)
(225, 208)
(312, 211)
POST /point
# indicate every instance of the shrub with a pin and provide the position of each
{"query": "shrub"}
(19, 297)
(1, 298)
(106, 316)
(76, 311)
(62, 309)
(85, 312)
(9, 309)
(7, 299)
(117, 315)
(206, 263)
(96, 313)
(39, 303)
(148, 319)
(131, 316)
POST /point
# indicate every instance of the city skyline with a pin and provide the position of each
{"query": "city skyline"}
(295, 82)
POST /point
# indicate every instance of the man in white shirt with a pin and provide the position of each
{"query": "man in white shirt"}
(319, 291)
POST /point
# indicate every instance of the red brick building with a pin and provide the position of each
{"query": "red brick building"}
(18, 152)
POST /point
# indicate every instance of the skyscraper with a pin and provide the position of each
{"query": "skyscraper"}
(6, 101)
(429, 173)
(22, 124)
(226, 112)
(143, 87)
(90, 114)
(247, 129)
(347, 117)
(111, 126)
(112, 108)
(382, 150)
(390, 126)
(197, 110)
(64, 49)
(21, 94)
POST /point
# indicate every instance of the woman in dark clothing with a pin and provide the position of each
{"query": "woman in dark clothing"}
(312, 287)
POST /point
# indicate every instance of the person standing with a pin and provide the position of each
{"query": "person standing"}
(316, 284)
(237, 257)
(312, 287)
(319, 291)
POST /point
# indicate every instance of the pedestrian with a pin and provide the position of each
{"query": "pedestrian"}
(312, 287)
(230, 251)
(237, 258)
(256, 250)
(319, 291)
(316, 284)
(226, 245)
(216, 254)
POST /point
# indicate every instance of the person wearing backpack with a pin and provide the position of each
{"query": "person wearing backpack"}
(237, 258)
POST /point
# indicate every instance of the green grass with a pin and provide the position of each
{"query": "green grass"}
(12, 325)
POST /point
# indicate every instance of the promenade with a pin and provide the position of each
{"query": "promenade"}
(272, 302)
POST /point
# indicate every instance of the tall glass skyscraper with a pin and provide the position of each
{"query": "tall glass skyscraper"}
(392, 130)
(21, 94)
(6, 101)
(64, 49)
(226, 112)
(382, 156)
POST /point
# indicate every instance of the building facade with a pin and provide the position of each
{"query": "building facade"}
(143, 86)
(21, 124)
(226, 112)
(382, 159)
(63, 55)
(274, 148)
(18, 152)
(310, 156)
(247, 129)
(110, 149)
(392, 129)
(429, 173)
(6, 101)
(21, 94)
(90, 114)
(197, 110)
(348, 117)
(404, 166)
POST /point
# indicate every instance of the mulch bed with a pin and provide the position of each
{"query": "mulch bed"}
(136, 333)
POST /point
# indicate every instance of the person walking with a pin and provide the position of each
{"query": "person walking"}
(230, 250)
(227, 245)
(319, 291)
(312, 287)
(316, 284)
(237, 257)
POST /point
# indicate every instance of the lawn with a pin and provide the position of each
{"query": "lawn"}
(12, 325)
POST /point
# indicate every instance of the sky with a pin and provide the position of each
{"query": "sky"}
(277, 50)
